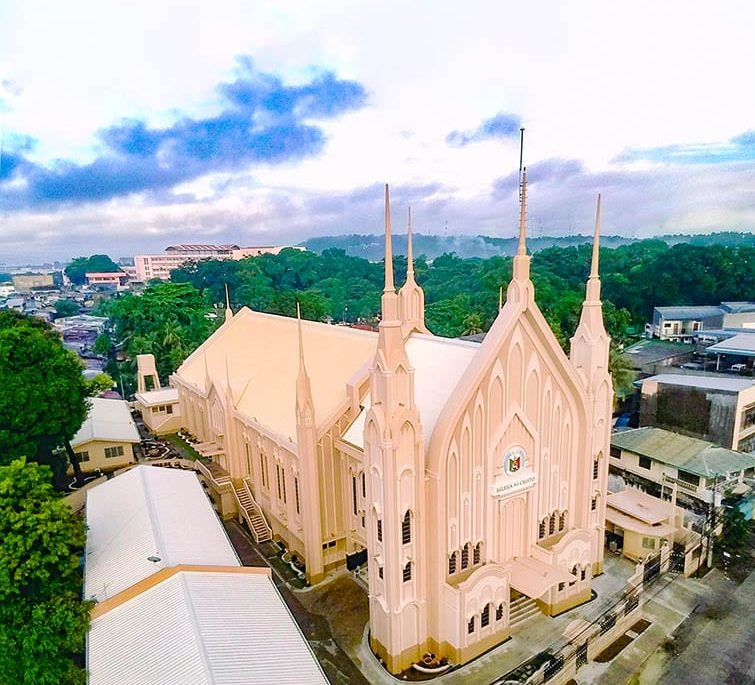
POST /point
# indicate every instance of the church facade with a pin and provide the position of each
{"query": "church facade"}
(473, 474)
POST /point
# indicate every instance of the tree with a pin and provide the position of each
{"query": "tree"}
(621, 372)
(81, 266)
(66, 308)
(43, 396)
(43, 622)
(102, 345)
(102, 382)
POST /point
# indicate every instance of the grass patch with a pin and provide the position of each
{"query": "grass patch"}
(186, 450)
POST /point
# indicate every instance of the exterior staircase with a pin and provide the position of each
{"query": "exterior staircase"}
(250, 511)
(521, 609)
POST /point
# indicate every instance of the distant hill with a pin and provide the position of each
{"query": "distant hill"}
(371, 246)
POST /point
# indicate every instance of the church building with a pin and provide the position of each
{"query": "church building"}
(470, 476)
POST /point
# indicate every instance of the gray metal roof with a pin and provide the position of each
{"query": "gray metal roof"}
(700, 457)
(742, 345)
(694, 313)
(738, 307)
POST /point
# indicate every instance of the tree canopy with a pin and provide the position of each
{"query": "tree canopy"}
(43, 396)
(43, 621)
(66, 307)
(80, 266)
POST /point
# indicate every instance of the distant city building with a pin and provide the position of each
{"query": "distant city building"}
(680, 323)
(7, 289)
(25, 283)
(736, 352)
(159, 266)
(720, 409)
(107, 437)
(114, 279)
(648, 357)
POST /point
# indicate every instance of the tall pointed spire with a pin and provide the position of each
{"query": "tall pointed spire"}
(207, 381)
(389, 301)
(228, 310)
(593, 283)
(409, 251)
(304, 403)
(228, 386)
(522, 260)
(302, 367)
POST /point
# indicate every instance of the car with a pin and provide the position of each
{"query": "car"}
(737, 368)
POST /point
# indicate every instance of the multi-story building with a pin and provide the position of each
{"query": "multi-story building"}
(680, 323)
(147, 267)
(720, 409)
(470, 478)
(107, 279)
(656, 459)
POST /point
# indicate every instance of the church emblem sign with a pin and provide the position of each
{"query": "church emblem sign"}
(514, 474)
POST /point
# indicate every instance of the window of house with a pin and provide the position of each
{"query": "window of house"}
(169, 409)
(83, 456)
(380, 530)
(407, 572)
(648, 543)
(111, 452)
(477, 553)
(562, 521)
(615, 452)
(364, 485)
(354, 494)
(593, 504)
(296, 494)
(485, 616)
(552, 524)
(406, 529)
(470, 625)
(575, 573)
(595, 469)
(499, 612)
(263, 470)
(541, 529)
(465, 556)
(452, 560)
(645, 462)
(380, 572)
(690, 478)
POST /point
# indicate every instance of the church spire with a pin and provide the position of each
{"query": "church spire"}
(228, 386)
(228, 310)
(411, 298)
(389, 300)
(593, 283)
(522, 260)
(304, 404)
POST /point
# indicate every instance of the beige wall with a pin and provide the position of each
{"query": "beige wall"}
(97, 458)
(158, 420)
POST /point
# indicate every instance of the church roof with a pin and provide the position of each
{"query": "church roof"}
(439, 364)
(263, 361)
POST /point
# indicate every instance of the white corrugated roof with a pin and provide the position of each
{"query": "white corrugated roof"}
(202, 628)
(742, 344)
(164, 396)
(149, 512)
(439, 364)
(108, 420)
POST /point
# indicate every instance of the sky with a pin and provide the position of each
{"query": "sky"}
(127, 127)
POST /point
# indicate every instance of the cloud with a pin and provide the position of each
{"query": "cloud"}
(262, 120)
(740, 148)
(500, 126)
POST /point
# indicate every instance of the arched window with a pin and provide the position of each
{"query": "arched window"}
(477, 553)
(595, 469)
(380, 530)
(465, 557)
(485, 616)
(470, 625)
(499, 613)
(562, 521)
(407, 573)
(575, 573)
(552, 524)
(594, 503)
(584, 572)
(406, 528)
(541, 528)
(452, 561)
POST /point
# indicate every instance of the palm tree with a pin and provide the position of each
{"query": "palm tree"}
(621, 372)
(473, 323)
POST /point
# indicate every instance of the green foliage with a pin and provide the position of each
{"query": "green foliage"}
(80, 266)
(43, 392)
(43, 621)
(735, 534)
(102, 345)
(99, 384)
(621, 372)
(169, 320)
(66, 308)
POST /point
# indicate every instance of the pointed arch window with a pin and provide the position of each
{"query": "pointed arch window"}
(575, 573)
(380, 530)
(595, 468)
(296, 495)
(499, 613)
(406, 528)
(552, 524)
(354, 494)
(477, 556)
(465, 556)
(584, 572)
(407, 572)
(485, 616)
(470, 625)
(594, 503)
(452, 561)
(364, 485)
(541, 528)
(562, 521)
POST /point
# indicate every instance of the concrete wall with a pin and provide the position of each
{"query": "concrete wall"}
(97, 458)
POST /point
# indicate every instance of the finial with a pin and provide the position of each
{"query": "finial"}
(523, 216)
(409, 251)
(228, 310)
(596, 244)
(389, 287)
(229, 388)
